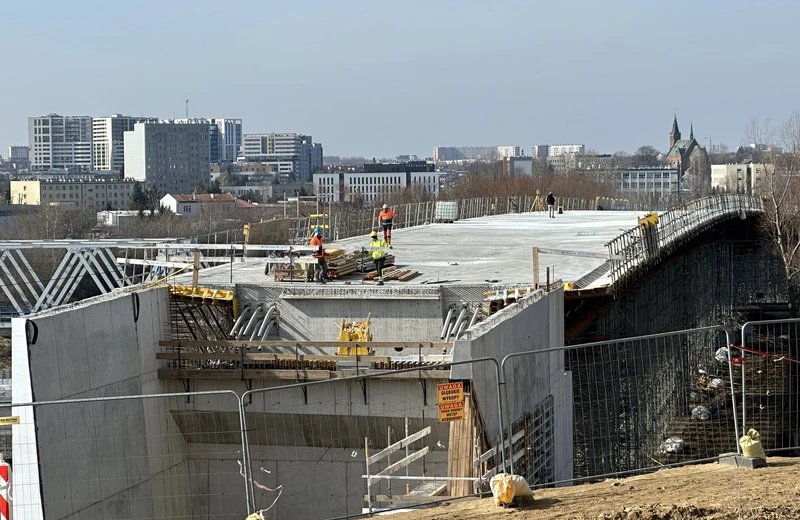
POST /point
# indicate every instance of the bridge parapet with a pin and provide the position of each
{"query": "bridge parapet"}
(641, 246)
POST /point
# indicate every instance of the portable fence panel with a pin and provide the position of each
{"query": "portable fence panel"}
(768, 371)
(343, 447)
(129, 458)
(635, 404)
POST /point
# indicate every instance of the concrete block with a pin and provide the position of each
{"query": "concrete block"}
(740, 461)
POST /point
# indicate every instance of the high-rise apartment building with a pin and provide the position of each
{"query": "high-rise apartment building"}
(509, 151)
(60, 143)
(169, 156)
(108, 141)
(540, 151)
(19, 155)
(445, 154)
(291, 154)
(224, 137)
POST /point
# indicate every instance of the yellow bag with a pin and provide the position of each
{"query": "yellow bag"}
(751, 445)
(256, 516)
(506, 487)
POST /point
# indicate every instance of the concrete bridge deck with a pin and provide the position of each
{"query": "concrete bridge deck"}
(472, 251)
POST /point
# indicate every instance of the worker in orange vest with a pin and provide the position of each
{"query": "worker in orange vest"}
(318, 252)
(386, 219)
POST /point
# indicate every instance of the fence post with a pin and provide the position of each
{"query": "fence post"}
(247, 469)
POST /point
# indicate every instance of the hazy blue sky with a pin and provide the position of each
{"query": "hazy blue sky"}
(381, 78)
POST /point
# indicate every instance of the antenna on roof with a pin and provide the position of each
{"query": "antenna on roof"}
(187, 108)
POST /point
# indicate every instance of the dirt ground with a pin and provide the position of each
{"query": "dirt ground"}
(710, 491)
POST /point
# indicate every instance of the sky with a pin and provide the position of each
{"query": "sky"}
(381, 78)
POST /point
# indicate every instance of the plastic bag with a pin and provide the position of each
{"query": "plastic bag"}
(671, 445)
(701, 413)
(751, 445)
(507, 487)
(721, 355)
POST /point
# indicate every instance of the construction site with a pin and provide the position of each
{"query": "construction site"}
(215, 380)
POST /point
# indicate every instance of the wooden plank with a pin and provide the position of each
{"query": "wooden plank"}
(400, 464)
(296, 375)
(427, 489)
(194, 356)
(406, 499)
(372, 344)
(461, 447)
(402, 443)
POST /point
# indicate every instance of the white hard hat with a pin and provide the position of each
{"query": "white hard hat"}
(385, 206)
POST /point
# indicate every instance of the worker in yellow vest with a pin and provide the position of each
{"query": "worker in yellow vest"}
(378, 256)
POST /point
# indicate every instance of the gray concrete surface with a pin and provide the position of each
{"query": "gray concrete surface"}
(472, 251)
(536, 322)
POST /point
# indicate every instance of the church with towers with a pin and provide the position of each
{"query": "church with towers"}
(688, 156)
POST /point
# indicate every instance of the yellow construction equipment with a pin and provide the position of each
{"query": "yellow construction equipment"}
(649, 220)
(355, 331)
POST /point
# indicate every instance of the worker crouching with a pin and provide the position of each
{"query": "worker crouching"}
(378, 256)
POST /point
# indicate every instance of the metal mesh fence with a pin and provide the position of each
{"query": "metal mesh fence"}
(636, 403)
(129, 457)
(768, 376)
(365, 444)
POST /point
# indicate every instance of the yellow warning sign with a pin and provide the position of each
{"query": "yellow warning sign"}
(450, 393)
(5, 421)
(451, 412)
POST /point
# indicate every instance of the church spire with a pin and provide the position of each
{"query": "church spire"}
(675, 133)
(691, 131)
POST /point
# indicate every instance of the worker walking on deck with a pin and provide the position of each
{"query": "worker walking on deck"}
(318, 252)
(551, 204)
(386, 219)
(378, 256)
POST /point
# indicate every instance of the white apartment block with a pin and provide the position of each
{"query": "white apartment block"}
(554, 150)
(372, 188)
(94, 193)
(60, 143)
(108, 140)
(540, 151)
(291, 154)
(174, 158)
(739, 178)
(509, 151)
(643, 182)
(457, 154)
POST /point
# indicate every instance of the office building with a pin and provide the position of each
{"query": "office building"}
(657, 182)
(60, 143)
(517, 166)
(540, 151)
(224, 137)
(294, 155)
(108, 141)
(461, 154)
(93, 193)
(376, 182)
(174, 158)
(554, 150)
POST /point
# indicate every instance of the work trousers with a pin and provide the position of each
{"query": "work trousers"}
(379, 266)
(321, 271)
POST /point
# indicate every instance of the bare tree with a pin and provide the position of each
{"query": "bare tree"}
(777, 147)
(646, 156)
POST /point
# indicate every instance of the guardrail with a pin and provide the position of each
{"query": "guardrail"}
(643, 245)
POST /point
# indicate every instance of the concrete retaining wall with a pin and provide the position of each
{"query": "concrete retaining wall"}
(534, 323)
(94, 460)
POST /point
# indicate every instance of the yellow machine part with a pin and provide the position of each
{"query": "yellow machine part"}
(649, 220)
(357, 332)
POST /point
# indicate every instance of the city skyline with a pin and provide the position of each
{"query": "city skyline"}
(605, 75)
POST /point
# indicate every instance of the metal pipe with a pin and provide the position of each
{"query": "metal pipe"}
(239, 320)
(256, 329)
(461, 316)
(460, 329)
(728, 347)
(474, 317)
(272, 322)
(246, 330)
(272, 309)
(447, 323)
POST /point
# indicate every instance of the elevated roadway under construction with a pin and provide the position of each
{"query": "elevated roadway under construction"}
(234, 327)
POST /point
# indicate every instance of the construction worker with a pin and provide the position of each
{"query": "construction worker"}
(551, 204)
(318, 252)
(378, 256)
(386, 219)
